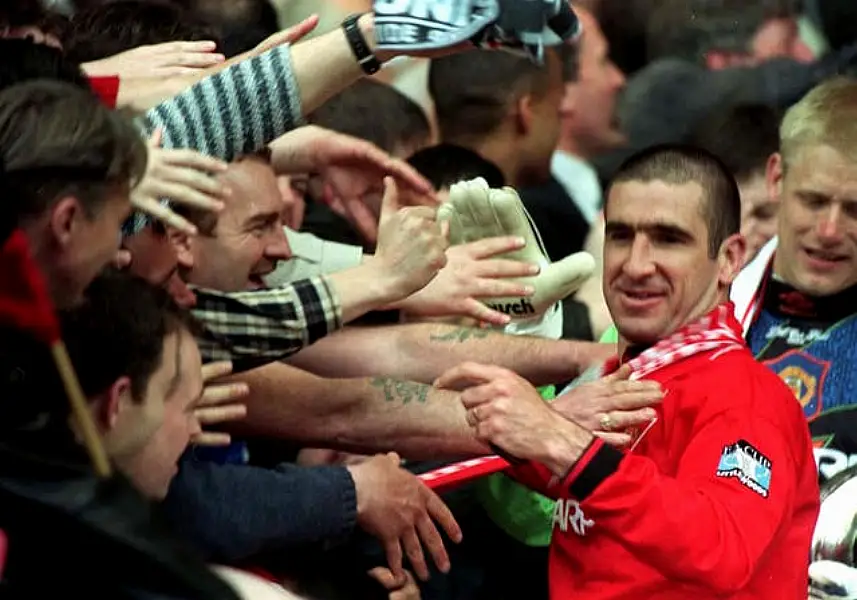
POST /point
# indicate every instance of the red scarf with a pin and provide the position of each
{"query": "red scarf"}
(718, 330)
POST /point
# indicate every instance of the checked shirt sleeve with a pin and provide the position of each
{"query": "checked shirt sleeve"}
(264, 326)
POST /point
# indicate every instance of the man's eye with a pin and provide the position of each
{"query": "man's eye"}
(668, 239)
(618, 236)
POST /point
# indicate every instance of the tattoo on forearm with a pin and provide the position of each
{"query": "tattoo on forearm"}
(461, 334)
(401, 391)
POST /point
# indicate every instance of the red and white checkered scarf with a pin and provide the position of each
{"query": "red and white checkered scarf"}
(717, 330)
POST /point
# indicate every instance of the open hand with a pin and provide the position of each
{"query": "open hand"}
(611, 405)
(157, 61)
(351, 171)
(400, 510)
(503, 408)
(471, 273)
(182, 176)
(218, 403)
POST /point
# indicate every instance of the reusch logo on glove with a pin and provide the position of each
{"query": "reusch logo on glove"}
(514, 308)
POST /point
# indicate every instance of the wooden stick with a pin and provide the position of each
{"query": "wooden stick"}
(80, 410)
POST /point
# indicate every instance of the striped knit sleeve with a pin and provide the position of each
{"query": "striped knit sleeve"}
(236, 111)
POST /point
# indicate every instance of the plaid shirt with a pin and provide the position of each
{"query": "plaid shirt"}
(258, 327)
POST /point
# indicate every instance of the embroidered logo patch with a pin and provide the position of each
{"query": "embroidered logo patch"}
(805, 375)
(746, 464)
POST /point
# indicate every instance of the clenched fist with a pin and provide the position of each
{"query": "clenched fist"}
(411, 245)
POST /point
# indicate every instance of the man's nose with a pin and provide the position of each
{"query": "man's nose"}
(829, 228)
(639, 263)
(278, 247)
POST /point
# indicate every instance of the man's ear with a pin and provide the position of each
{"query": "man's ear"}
(731, 259)
(65, 216)
(524, 114)
(183, 245)
(568, 104)
(112, 403)
(774, 173)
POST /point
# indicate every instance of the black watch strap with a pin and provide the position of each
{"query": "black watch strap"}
(365, 58)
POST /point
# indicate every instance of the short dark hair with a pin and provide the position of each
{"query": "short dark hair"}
(32, 13)
(57, 139)
(114, 27)
(689, 29)
(446, 164)
(22, 12)
(623, 23)
(742, 136)
(374, 112)
(472, 90)
(241, 24)
(679, 164)
(206, 220)
(24, 60)
(119, 330)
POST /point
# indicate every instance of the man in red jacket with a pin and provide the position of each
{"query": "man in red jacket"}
(717, 497)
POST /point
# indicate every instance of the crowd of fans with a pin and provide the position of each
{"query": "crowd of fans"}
(287, 289)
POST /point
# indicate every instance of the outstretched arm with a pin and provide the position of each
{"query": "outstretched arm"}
(361, 415)
(421, 352)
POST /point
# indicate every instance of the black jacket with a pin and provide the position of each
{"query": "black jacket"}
(561, 224)
(72, 533)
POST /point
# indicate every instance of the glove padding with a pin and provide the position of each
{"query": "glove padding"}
(524, 26)
(829, 580)
(475, 212)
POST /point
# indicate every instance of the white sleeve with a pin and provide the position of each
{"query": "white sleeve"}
(313, 256)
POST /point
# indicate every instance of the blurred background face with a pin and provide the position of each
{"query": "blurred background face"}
(590, 102)
(780, 38)
(248, 240)
(540, 123)
(817, 251)
(758, 214)
(658, 275)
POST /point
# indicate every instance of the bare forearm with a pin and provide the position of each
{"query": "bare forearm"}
(144, 94)
(325, 65)
(358, 415)
(422, 352)
(362, 289)
(434, 348)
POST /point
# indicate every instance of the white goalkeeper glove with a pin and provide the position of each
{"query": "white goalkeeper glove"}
(475, 212)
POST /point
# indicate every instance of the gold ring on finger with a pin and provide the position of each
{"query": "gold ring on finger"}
(606, 422)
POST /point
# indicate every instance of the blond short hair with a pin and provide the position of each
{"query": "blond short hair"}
(827, 116)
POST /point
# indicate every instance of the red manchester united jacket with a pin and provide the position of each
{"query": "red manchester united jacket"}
(718, 499)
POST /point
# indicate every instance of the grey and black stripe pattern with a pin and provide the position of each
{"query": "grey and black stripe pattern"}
(236, 111)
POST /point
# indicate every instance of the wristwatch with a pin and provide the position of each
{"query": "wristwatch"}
(365, 58)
